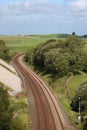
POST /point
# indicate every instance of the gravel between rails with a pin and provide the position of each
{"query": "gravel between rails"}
(49, 113)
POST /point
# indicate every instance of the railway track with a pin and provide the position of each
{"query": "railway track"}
(49, 115)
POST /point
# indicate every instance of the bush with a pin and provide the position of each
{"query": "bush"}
(82, 92)
(59, 57)
(4, 51)
(56, 63)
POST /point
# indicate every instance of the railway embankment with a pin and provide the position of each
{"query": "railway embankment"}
(9, 77)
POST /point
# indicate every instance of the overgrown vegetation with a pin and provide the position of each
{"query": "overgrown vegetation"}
(62, 62)
(60, 57)
(4, 51)
(12, 112)
(82, 92)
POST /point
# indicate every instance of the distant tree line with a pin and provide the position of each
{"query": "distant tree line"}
(59, 57)
(4, 51)
(84, 36)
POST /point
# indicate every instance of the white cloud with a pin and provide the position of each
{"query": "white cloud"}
(43, 12)
(45, 7)
(79, 9)
(68, 13)
(80, 4)
(29, 7)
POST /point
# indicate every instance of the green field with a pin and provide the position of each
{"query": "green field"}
(21, 43)
(24, 43)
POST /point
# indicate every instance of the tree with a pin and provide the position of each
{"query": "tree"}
(7, 122)
(85, 62)
(56, 62)
(4, 51)
(5, 114)
(75, 47)
(60, 57)
(82, 92)
(73, 33)
(41, 49)
(74, 44)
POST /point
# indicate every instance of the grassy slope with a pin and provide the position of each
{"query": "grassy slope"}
(23, 116)
(58, 86)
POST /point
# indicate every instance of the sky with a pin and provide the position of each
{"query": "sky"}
(28, 17)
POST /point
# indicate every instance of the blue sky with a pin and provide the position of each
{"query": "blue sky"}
(43, 16)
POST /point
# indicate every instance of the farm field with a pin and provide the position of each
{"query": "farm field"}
(18, 44)
(23, 43)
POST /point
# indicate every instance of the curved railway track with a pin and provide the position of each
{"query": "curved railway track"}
(48, 112)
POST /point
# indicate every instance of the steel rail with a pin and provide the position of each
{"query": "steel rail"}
(46, 124)
(41, 88)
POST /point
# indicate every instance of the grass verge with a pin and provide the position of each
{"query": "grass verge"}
(21, 111)
(58, 86)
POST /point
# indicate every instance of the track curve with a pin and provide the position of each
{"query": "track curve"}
(48, 112)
